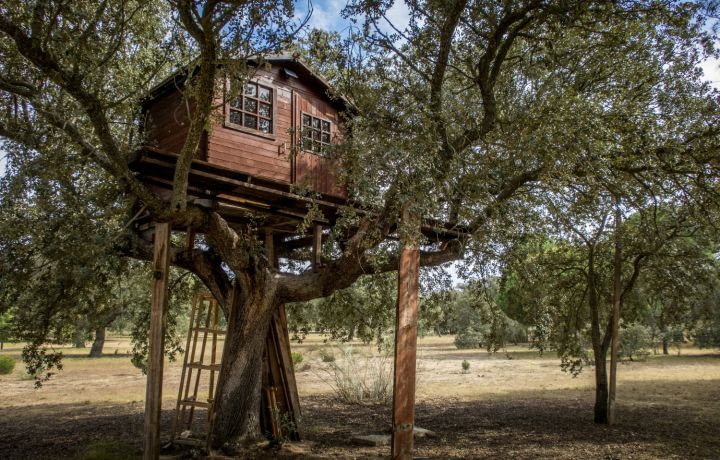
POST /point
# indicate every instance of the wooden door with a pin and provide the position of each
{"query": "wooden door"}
(316, 128)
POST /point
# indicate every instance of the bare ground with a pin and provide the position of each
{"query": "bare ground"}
(521, 408)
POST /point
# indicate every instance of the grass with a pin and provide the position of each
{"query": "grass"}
(91, 398)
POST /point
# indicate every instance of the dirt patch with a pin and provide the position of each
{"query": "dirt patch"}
(523, 407)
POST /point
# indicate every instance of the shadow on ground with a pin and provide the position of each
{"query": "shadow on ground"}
(656, 420)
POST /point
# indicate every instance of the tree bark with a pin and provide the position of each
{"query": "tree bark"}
(238, 394)
(601, 388)
(665, 345)
(96, 351)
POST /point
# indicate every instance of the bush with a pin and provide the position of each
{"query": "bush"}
(468, 339)
(635, 340)
(297, 358)
(326, 355)
(7, 364)
(360, 379)
(465, 366)
(707, 335)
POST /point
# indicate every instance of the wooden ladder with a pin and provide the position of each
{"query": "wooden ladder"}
(204, 322)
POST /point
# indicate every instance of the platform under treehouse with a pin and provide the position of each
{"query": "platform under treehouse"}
(267, 159)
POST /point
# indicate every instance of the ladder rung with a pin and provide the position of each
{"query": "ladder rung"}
(187, 402)
(206, 329)
(207, 367)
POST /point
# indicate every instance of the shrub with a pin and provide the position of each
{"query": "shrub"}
(635, 341)
(360, 379)
(297, 358)
(465, 366)
(326, 355)
(7, 364)
(468, 339)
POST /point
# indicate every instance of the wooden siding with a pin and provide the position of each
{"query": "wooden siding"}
(167, 124)
(267, 157)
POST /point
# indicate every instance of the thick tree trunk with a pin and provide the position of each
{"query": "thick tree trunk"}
(96, 351)
(601, 388)
(238, 395)
(665, 344)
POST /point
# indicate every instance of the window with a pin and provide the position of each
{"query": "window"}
(253, 110)
(315, 134)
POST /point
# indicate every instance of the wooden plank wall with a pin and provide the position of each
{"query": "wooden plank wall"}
(167, 124)
(257, 155)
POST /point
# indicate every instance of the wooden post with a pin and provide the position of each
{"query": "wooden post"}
(405, 351)
(317, 247)
(156, 339)
(615, 344)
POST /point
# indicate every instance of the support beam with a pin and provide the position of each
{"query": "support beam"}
(317, 247)
(405, 353)
(156, 341)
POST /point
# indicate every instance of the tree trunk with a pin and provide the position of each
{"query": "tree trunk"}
(665, 343)
(238, 396)
(601, 388)
(96, 351)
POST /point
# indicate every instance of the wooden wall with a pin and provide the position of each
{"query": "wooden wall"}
(255, 154)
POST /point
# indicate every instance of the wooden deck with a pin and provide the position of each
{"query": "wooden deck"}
(240, 197)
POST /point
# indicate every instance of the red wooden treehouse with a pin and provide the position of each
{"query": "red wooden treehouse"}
(269, 139)
(267, 157)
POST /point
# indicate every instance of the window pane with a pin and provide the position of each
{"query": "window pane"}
(236, 102)
(307, 144)
(265, 94)
(265, 126)
(265, 110)
(325, 138)
(250, 105)
(326, 126)
(306, 120)
(235, 117)
(307, 133)
(250, 121)
(251, 90)
(316, 146)
(316, 135)
(316, 123)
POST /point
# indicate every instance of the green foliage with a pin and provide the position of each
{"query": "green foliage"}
(635, 341)
(297, 357)
(468, 339)
(364, 311)
(465, 366)
(7, 364)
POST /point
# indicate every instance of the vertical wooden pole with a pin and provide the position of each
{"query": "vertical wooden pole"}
(158, 312)
(405, 352)
(615, 344)
(317, 247)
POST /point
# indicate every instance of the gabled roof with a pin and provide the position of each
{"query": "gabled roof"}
(290, 61)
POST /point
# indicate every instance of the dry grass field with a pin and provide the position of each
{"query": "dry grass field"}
(509, 404)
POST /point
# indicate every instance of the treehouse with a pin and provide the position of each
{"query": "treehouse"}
(268, 157)
(269, 149)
